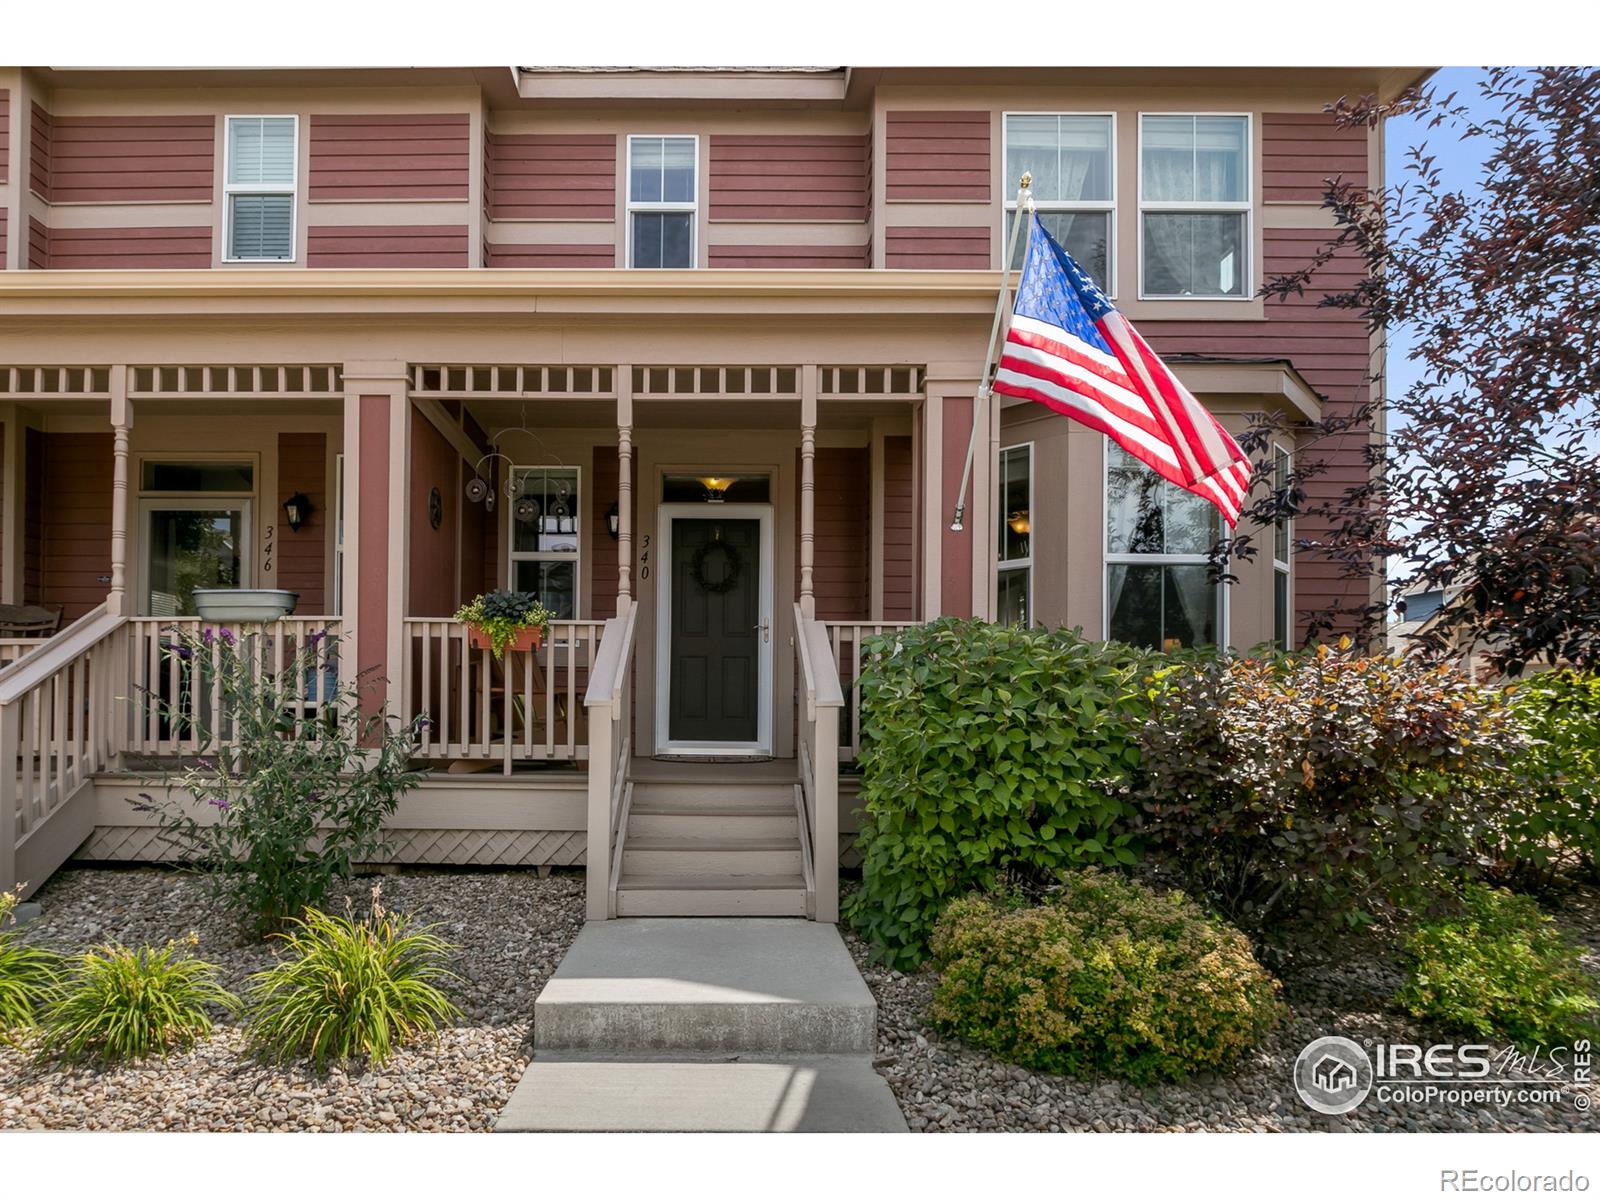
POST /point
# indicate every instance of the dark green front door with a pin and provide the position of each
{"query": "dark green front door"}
(716, 639)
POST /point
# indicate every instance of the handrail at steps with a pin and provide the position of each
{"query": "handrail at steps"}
(610, 665)
(18, 677)
(819, 758)
(608, 701)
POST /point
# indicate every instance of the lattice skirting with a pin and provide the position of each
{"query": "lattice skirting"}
(849, 851)
(456, 847)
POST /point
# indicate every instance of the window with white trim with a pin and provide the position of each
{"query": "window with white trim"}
(1194, 206)
(1282, 541)
(1071, 158)
(662, 190)
(1159, 590)
(1015, 537)
(258, 189)
(546, 536)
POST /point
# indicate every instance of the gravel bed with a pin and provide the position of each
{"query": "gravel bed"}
(1339, 985)
(510, 928)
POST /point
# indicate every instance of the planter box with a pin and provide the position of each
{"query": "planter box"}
(529, 639)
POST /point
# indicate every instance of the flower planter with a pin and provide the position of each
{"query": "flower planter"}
(530, 638)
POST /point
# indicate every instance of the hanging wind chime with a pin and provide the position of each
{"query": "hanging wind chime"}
(525, 508)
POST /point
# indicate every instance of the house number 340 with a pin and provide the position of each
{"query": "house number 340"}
(644, 557)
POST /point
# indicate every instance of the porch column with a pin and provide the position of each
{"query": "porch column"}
(11, 526)
(808, 489)
(624, 487)
(121, 432)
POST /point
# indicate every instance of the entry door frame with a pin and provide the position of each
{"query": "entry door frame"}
(189, 502)
(665, 515)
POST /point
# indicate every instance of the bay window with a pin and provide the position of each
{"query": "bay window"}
(546, 536)
(1015, 537)
(1071, 159)
(662, 191)
(1194, 206)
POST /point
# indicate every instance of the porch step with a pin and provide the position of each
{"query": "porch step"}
(711, 895)
(728, 822)
(754, 858)
(711, 792)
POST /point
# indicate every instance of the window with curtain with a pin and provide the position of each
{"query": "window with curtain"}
(1194, 205)
(662, 190)
(258, 188)
(1070, 157)
(1158, 590)
(1282, 541)
(546, 536)
(1015, 536)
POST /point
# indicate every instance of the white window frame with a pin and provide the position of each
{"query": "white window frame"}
(291, 189)
(1283, 566)
(1110, 559)
(1004, 566)
(691, 207)
(1245, 206)
(1009, 201)
(166, 500)
(575, 557)
(338, 534)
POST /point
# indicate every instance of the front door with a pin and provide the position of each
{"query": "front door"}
(718, 633)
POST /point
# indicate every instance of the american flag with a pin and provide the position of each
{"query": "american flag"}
(1069, 349)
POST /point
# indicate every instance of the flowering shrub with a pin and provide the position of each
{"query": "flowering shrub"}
(28, 974)
(501, 616)
(286, 805)
(1105, 976)
(1326, 778)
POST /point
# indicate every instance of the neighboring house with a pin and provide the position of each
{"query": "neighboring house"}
(663, 318)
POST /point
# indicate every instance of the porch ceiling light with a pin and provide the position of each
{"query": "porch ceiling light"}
(1019, 522)
(296, 509)
(716, 487)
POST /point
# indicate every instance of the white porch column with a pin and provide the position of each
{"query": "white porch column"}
(624, 487)
(808, 489)
(117, 602)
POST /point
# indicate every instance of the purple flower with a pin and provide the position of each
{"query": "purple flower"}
(227, 637)
(220, 803)
(208, 635)
(314, 640)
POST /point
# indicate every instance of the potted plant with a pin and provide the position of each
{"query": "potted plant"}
(504, 620)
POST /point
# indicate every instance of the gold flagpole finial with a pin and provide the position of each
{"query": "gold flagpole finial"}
(1026, 181)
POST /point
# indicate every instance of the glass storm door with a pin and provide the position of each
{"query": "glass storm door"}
(188, 548)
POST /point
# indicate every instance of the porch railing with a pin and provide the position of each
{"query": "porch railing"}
(525, 707)
(818, 747)
(175, 704)
(609, 701)
(13, 649)
(55, 733)
(844, 647)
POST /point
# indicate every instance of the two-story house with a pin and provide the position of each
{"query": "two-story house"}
(692, 354)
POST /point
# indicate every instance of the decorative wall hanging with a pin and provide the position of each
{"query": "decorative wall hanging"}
(435, 507)
(480, 490)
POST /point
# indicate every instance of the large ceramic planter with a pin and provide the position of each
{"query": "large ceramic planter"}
(530, 638)
(244, 604)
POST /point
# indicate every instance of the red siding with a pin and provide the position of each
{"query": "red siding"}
(554, 175)
(1301, 151)
(32, 516)
(75, 525)
(603, 555)
(937, 156)
(302, 553)
(780, 257)
(840, 554)
(39, 151)
(386, 246)
(158, 246)
(955, 549)
(3, 228)
(433, 551)
(38, 245)
(938, 247)
(390, 156)
(789, 177)
(123, 157)
(5, 134)
(899, 531)
(515, 254)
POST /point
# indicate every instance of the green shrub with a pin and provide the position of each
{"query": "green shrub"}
(287, 809)
(1324, 780)
(1552, 823)
(1501, 968)
(28, 974)
(1105, 976)
(118, 1004)
(986, 750)
(351, 988)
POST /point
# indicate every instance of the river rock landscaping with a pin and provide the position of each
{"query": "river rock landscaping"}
(510, 930)
(1334, 983)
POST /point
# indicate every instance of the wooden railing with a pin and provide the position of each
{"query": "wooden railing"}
(55, 733)
(527, 706)
(13, 649)
(609, 701)
(175, 693)
(821, 700)
(844, 647)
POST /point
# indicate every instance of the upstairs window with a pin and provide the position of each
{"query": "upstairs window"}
(258, 187)
(662, 192)
(1194, 206)
(1070, 158)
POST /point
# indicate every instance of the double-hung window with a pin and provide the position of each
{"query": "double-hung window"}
(1159, 591)
(546, 536)
(1071, 160)
(662, 191)
(258, 189)
(1015, 536)
(1194, 206)
(1282, 540)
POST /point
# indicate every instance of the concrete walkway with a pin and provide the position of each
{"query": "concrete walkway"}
(704, 1024)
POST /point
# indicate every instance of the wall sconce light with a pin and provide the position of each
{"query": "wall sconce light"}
(296, 509)
(716, 488)
(1019, 522)
(614, 521)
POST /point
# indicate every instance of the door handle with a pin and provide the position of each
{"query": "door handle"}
(765, 632)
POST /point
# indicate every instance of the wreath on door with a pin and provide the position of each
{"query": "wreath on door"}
(732, 566)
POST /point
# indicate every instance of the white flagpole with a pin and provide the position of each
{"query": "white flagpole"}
(1024, 208)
